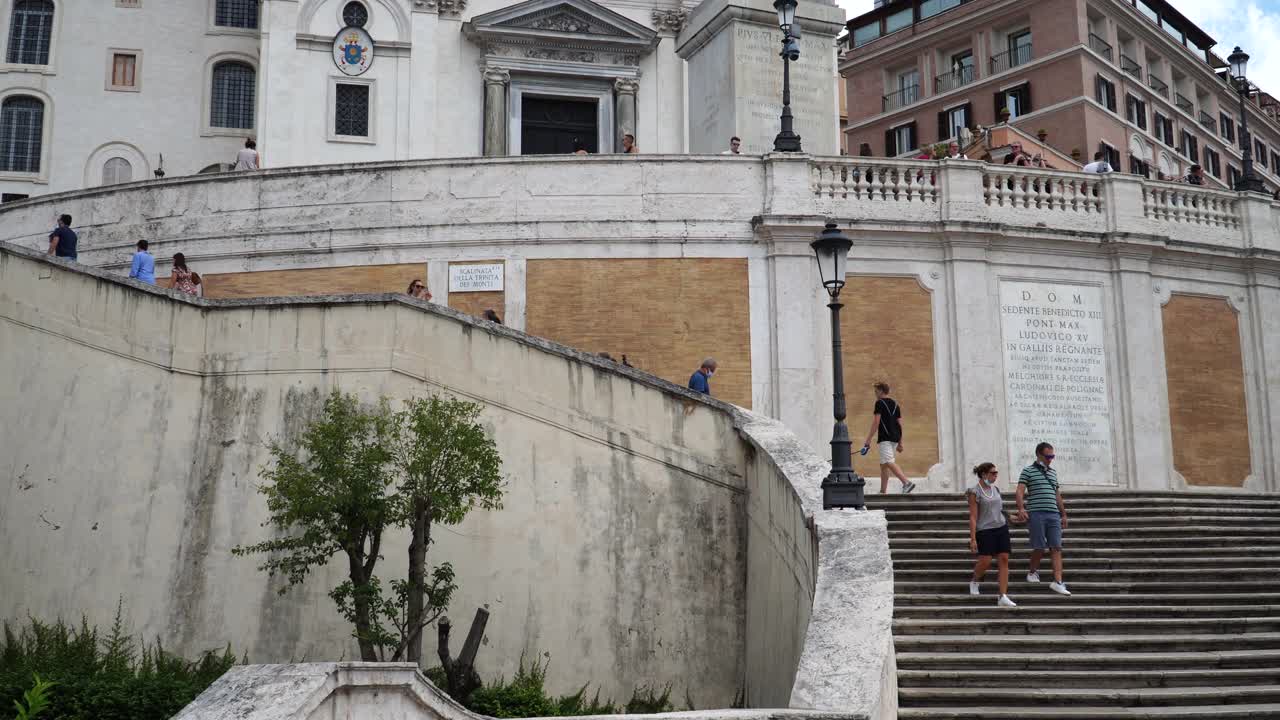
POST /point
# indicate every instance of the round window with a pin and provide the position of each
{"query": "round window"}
(355, 14)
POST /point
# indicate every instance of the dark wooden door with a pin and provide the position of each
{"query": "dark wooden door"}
(550, 126)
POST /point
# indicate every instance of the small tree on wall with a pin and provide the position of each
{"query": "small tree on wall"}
(362, 470)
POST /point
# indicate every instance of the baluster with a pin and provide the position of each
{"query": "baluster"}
(877, 184)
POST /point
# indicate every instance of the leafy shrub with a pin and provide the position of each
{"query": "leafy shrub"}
(526, 696)
(35, 700)
(102, 677)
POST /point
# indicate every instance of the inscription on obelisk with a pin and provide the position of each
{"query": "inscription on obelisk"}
(1055, 374)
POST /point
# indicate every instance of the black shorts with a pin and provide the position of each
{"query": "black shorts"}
(993, 541)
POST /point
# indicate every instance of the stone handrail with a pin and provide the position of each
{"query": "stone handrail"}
(876, 180)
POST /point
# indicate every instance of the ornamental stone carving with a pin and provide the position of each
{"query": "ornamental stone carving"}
(496, 76)
(444, 7)
(670, 21)
(626, 86)
(578, 56)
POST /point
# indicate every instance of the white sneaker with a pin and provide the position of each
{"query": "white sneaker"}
(1060, 588)
(1004, 601)
(973, 587)
(1033, 577)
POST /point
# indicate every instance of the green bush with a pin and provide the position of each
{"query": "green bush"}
(102, 677)
(526, 696)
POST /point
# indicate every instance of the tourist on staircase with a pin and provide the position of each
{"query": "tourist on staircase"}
(1040, 504)
(988, 531)
(886, 426)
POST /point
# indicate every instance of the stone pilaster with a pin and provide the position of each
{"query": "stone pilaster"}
(624, 90)
(496, 81)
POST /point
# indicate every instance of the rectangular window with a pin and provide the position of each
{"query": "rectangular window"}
(1169, 28)
(1016, 100)
(1136, 111)
(1228, 128)
(1275, 161)
(1189, 146)
(1138, 167)
(1111, 155)
(124, 70)
(929, 8)
(1260, 153)
(351, 110)
(1105, 93)
(866, 33)
(951, 122)
(900, 140)
(899, 20)
(1148, 11)
(1213, 163)
(1163, 128)
(1233, 176)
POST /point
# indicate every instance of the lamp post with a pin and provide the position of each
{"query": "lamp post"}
(842, 488)
(787, 140)
(1249, 181)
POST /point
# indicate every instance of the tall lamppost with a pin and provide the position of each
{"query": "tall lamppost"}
(843, 487)
(1249, 181)
(787, 140)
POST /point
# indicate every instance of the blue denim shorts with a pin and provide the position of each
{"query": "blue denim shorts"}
(1045, 529)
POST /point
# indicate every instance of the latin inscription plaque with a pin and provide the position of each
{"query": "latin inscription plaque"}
(1055, 374)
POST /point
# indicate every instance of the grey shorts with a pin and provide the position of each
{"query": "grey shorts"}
(1045, 530)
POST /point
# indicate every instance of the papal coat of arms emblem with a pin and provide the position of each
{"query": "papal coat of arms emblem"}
(353, 50)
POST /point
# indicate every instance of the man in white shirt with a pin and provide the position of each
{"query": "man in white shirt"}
(1098, 166)
(735, 142)
(953, 152)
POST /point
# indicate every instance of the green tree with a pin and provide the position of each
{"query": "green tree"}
(337, 498)
(363, 470)
(449, 465)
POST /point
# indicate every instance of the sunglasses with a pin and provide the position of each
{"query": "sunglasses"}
(1050, 457)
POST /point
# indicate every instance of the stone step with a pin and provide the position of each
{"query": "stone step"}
(1005, 661)
(1019, 565)
(1142, 541)
(1063, 696)
(1267, 711)
(1018, 584)
(1169, 555)
(1089, 521)
(1030, 610)
(960, 511)
(1067, 646)
(876, 501)
(1073, 624)
(1135, 532)
(964, 562)
(983, 678)
(1082, 600)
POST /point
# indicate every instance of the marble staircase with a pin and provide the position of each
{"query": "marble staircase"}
(1174, 612)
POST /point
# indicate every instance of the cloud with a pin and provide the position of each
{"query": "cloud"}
(1253, 25)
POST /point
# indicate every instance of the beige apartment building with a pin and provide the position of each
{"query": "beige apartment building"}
(1133, 79)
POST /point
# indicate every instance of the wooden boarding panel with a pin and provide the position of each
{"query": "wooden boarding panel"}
(664, 314)
(311, 281)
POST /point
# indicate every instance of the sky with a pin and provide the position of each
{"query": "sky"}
(1254, 25)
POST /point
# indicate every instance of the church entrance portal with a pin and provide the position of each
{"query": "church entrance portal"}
(551, 125)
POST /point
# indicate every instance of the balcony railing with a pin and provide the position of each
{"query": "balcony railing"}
(1130, 66)
(1011, 59)
(1158, 85)
(1183, 103)
(954, 79)
(1100, 46)
(1207, 121)
(902, 98)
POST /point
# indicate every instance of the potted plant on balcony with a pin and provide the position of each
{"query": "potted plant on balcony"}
(1042, 134)
(1075, 154)
(1004, 114)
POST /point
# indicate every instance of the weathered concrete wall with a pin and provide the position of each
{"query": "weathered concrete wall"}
(134, 424)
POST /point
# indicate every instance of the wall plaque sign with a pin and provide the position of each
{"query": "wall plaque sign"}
(1055, 375)
(475, 278)
(353, 50)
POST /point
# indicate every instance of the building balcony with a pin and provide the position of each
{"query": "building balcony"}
(1183, 103)
(902, 98)
(1208, 122)
(951, 80)
(1130, 66)
(1100, 46)
(1160, 86)
(1020, 55)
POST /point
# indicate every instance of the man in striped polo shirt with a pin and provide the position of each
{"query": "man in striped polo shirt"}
(1040, 505)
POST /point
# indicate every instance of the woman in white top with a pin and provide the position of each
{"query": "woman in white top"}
(988, 530)
(248, 159)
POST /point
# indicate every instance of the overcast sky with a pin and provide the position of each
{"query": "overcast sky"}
(1252, 24)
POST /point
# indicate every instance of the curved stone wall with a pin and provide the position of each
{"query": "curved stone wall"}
(648, 534)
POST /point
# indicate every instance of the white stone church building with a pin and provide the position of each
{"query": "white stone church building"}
(109, 91)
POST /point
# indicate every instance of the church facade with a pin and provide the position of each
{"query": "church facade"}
(126, 90)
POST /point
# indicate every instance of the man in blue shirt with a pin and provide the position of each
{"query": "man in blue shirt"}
(63, 240)
(701, 379)
(144, 265)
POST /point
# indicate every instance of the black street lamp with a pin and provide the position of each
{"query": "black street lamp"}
(787, 140)
(843, 487)
(1249, 181)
